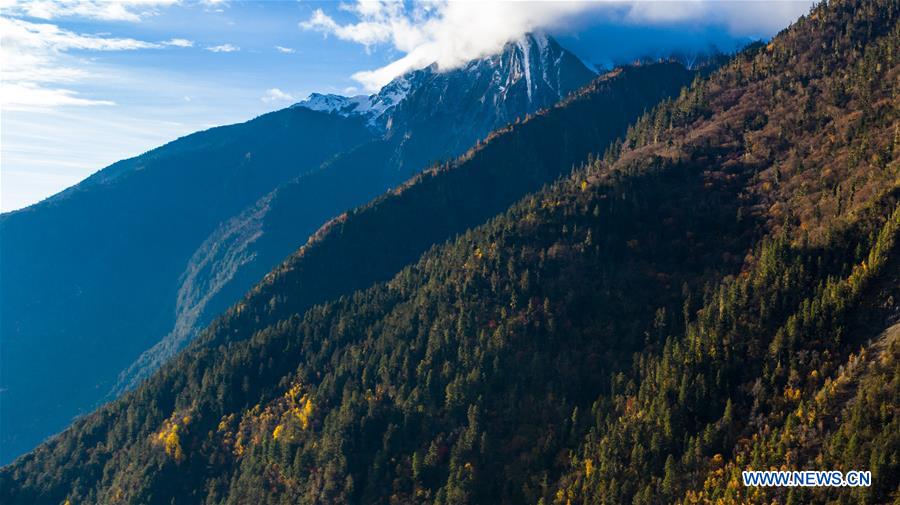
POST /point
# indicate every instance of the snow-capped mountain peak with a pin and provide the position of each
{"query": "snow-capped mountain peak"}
(326, 102)
(528, 74)
(370, 106)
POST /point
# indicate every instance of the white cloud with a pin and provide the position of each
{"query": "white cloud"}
(451, 33)
(322, 22)
(16, 95)
(36, 66)
(25, 35)
(742, 18)
(179, 43)
(276, 95)
(106, 10)
(448, 33)
(224, 48)
(216, 6)
(285, 50)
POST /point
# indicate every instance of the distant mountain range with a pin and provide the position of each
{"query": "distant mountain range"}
(89, 277)
(108, 279)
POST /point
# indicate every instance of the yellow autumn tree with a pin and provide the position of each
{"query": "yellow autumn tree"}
(173, 444)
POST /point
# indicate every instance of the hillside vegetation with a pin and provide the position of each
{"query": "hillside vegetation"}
(435, 116)
(717, 292)
(89, 276)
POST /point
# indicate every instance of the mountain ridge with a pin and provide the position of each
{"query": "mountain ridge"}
(268, 231)
(639, 331)
(509, 71)
(150, 227)
(70, 258)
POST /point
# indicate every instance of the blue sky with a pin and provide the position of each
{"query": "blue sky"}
(89, 82)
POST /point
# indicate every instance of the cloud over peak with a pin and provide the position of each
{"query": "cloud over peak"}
(452, 33)
(448, 33)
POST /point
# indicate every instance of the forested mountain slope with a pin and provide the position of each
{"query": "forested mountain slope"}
(451, 198)
(420, 117)
(105, 281)
(690, 305)
(88, 276)
(373, 242)
(787, 365)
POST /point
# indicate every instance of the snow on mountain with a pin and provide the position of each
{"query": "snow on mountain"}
(326, 103)
(530, 73)
(524, 46)
(371, 106)
(338, 104)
